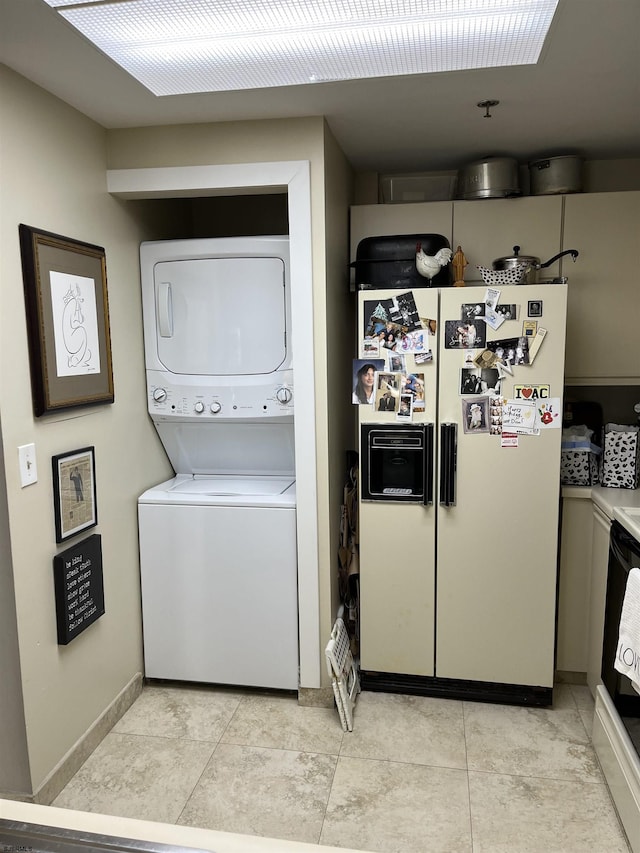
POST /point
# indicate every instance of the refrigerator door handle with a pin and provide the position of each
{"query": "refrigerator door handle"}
(428, 465)
(448, 461)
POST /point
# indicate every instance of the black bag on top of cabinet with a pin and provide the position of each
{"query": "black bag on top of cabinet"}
(390, 262)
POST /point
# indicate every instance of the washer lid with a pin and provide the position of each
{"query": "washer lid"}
(217, 485)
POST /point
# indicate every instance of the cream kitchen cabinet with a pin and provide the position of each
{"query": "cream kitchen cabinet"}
(381, 220)
(487, 229)
(598, 594)
(604, 308)
(574, 581)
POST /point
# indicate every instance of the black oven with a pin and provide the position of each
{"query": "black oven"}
(397, 462)
(624, 554)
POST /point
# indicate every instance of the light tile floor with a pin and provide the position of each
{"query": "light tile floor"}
(417, 774)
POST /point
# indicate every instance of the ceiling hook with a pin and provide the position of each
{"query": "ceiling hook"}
(486, 105)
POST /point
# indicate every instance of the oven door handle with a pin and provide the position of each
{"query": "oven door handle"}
(448, 463)
(428, 464)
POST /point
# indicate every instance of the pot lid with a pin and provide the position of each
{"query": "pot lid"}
(517, 258)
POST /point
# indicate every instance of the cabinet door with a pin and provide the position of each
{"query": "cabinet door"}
(599, 565)
(574, 583)
(602, 327)
(487, 229)
(382, 220)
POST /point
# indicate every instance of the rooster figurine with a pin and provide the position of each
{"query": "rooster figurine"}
(430, 265)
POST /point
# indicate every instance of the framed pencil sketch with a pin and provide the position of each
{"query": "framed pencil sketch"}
(74, 492)
(65, 286)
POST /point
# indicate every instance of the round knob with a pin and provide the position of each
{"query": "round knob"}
(159, 395)
(199, 407)
(284, 395)
(215, 407)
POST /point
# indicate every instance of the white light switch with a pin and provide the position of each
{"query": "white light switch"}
(27, 459)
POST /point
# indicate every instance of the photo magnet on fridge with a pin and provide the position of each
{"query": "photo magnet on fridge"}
(387, 392)
(475, 415)
(415, 342)
(405, 410)
(459, 335)
(486, 358)
(531, 392)
(479, 381)
(370, 347)
(549, 414)
(511, 351)
(396, 362)
(509, 312)
(413, 384)
(536, 343)
(492, 297)
(363, 379)
(403, 311)
(469, 311)
(534, 308)
(493, 318)
(519, 416)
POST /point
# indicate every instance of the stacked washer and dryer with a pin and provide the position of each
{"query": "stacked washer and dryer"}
(218, 540)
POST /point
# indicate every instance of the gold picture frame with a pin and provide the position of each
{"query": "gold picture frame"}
(65, 285)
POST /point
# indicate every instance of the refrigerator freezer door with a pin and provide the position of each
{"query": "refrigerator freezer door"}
(397, 540)
(497, 547)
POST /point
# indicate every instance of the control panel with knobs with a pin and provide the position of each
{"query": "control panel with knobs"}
(272, 398)
(284, 394)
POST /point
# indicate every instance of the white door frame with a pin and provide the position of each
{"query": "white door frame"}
(294, 177)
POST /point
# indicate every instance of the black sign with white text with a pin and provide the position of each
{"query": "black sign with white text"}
(77, 575)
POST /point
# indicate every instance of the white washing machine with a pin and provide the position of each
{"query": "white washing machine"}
(218, 541)
(219, 580)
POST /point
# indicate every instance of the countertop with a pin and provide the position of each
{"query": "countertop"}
(155, 833)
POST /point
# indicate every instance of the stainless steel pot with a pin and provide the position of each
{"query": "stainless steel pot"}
(532, 264)
(495, 177)
(556, 175)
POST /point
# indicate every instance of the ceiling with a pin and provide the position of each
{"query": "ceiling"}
(583, 97)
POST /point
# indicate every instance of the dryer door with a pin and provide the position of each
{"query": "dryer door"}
(221, 316)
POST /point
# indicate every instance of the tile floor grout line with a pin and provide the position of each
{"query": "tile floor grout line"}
(204, 770)
(572, 781)
(466, 761)
(241, 699)
(326, 805)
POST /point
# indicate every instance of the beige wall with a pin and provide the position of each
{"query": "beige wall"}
(270, 141)
(53, 177)
(339, 336)
(14, 758)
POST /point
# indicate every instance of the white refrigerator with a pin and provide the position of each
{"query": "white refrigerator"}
(458, 587)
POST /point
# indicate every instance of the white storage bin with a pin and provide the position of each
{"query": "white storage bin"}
(403, 189)
(620, 456)
(578, 468)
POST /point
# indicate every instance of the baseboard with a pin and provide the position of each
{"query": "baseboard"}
(564, 676)
(455, 688)
(69, 765)
(316, 697)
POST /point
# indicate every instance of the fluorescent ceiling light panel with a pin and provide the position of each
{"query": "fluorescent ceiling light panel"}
(176, 47)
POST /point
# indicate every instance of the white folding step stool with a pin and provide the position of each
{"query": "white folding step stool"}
(343, 672)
